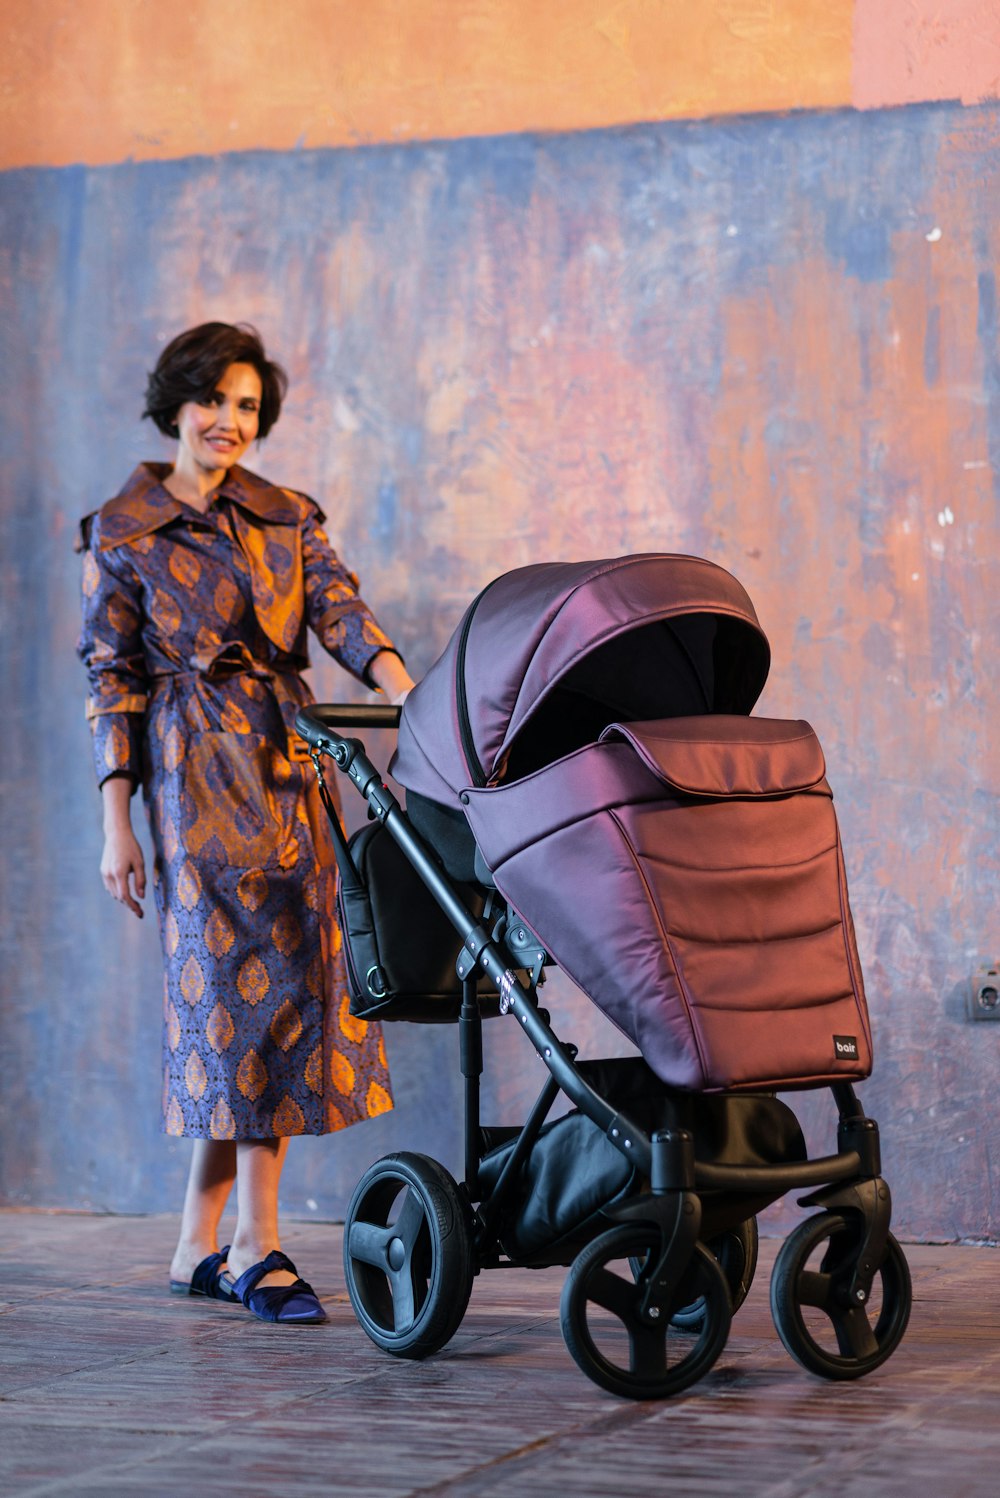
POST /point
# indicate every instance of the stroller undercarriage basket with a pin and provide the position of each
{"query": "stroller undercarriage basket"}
(681, 862)
(574, 1175)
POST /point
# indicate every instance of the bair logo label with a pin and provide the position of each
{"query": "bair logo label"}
(845, 1047)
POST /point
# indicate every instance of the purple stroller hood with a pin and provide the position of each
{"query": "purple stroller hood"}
(650, 636)
(589, 725)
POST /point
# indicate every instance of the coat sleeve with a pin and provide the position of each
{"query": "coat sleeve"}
(336, 612)
(111, 650)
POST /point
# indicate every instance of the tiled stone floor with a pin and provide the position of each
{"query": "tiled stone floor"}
(110, 1386)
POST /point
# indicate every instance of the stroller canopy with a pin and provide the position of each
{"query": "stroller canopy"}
(546, 656)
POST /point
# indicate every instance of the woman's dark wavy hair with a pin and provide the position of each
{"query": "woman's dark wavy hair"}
(191, 365)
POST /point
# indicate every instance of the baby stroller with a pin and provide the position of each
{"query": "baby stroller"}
(585, 786)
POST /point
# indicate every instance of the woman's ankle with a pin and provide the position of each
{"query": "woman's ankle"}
(188, 1255)
(251, 1248)
(245, 1253)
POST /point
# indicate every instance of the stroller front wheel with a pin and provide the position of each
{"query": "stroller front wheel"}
(614, 1344)
(810, 1306)
(408, 1258)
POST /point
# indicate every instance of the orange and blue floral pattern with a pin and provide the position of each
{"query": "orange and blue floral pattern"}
(194, 638)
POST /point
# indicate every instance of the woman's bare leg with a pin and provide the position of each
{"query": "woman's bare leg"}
(210, 1180)
(258, 1172)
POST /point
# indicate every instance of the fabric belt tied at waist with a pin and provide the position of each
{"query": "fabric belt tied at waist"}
(234, 658)
(231, 658)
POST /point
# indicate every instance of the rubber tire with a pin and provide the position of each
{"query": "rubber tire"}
(736, 1250)
(409, 1281)
(647, 1344)
(861, 1346)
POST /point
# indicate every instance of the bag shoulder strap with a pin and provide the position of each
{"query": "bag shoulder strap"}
(349, 875)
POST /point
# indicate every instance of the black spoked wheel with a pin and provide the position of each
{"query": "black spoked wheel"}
(615, 1345)
(810, 1301)
(736, 1250)
(408, 1255)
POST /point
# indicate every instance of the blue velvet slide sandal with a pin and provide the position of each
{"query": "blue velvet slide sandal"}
(209, 1278)
(288, 1304)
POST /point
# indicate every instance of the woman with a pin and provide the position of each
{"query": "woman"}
(199, 581)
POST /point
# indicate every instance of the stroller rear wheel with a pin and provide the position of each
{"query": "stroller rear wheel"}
(736, 1250)
(813, 1315)
(408, 1256)
(641, 1357)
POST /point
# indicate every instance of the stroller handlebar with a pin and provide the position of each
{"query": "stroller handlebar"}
(314, 722)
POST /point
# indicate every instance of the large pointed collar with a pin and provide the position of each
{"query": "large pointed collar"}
(144, 505)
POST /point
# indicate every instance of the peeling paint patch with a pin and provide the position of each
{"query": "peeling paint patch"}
(906, 51)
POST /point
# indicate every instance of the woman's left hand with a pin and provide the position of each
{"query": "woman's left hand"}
(391, 676)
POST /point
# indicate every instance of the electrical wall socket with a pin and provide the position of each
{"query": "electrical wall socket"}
(983, 997)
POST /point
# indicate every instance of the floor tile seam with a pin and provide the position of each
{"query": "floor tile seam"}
(916, 1413)
(509, 1329)
(454, 1349)
(203, 1426)
(134, 1469)
(808, 1481)
(88, 1369)
(805, 1480)
(275, 1405)
(102, 1289)
(503, 1328)
(387, 1377)
(221, 1487)
(854, 1463)
(157, 1293)
(573, 1416)
(527, 1455)
(957, 1379)
(867, 1485)
(133, 1466)
(909, 1419)
(26, 1417)
(101, 1473)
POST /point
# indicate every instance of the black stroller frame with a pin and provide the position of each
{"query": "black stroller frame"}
(655, 1273)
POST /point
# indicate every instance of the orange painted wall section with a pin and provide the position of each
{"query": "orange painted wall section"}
(108, 80)
(908, 51)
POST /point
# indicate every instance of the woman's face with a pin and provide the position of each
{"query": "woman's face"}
(216, 432)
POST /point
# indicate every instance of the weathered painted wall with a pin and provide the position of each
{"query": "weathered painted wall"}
(772, 341)
(117, 79)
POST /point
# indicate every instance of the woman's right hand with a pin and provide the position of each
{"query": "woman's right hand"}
(123, 867)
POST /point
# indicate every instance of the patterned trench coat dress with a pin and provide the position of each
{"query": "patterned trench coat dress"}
(194, 638)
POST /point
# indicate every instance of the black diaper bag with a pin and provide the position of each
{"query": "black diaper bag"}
(400, 949)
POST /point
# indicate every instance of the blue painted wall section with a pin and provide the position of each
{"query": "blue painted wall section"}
(769, 341)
